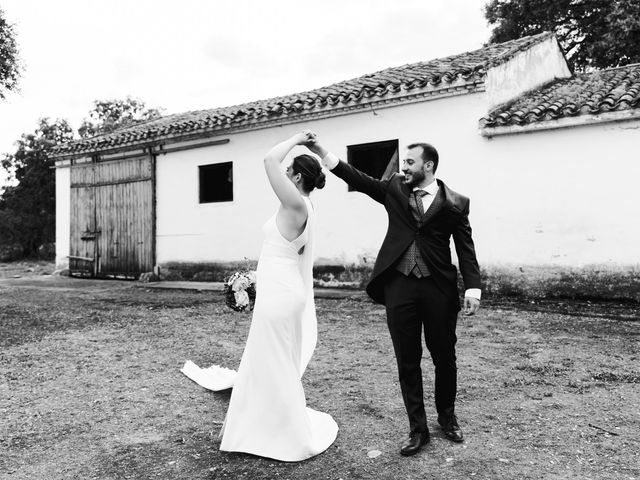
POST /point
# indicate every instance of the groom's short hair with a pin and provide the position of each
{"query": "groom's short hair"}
(429, 153)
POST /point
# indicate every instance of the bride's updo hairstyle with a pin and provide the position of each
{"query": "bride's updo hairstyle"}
(311, 171)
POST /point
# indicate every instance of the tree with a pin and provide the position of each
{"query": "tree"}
(109, 115)
(10, 65)
(624, 34)
(27, 210)
(592, 33)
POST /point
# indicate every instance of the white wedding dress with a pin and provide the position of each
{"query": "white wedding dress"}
(268, 414)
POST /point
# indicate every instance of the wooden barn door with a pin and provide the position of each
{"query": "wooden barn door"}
(112, 218)
(83, 253)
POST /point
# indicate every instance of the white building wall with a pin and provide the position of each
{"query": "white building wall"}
(63, 216)
(527, 70)
(351, 226)
(559, 197)
(188, 231)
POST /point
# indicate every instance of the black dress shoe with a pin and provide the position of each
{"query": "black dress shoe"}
(451, 429)
(412, 445)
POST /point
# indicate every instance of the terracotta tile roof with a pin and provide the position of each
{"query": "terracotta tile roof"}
(464, 69)
(612, 90)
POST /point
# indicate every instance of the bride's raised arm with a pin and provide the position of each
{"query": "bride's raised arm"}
(281, 184)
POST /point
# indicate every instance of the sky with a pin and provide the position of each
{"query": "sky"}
(199, 54)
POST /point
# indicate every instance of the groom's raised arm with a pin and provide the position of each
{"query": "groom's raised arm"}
(361, 182)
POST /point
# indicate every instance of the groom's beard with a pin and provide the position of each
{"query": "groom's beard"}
(413, 179)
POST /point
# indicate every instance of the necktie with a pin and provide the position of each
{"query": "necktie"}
(419, 205)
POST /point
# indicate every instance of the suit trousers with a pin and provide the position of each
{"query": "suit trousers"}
(413, 305)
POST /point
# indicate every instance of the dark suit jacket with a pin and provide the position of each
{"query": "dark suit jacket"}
(448, 216)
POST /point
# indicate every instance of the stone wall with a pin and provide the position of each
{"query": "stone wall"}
(594, 282)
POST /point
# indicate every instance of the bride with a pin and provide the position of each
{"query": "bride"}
(267, 414)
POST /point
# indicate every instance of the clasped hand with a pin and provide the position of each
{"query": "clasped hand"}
(309, 139)
(306, 137)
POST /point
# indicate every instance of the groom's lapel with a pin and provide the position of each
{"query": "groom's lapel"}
(406, 193)
(435, 207)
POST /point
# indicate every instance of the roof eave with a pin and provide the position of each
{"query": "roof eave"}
(566, 122)
(471, 85)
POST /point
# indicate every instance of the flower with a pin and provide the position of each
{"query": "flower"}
(240, 290)
(242, 298)
(241, 283)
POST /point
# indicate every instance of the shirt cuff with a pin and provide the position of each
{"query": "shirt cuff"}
(330, 161)
(473, 293)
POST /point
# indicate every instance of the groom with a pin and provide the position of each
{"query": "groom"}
(414, 278)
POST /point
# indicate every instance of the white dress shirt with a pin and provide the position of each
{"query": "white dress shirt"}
(432, 191)
(330, 161)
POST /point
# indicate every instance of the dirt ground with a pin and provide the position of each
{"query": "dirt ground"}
(26, 269)
(90, 388)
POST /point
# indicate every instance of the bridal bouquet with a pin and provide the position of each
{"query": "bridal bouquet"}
(240, 290)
